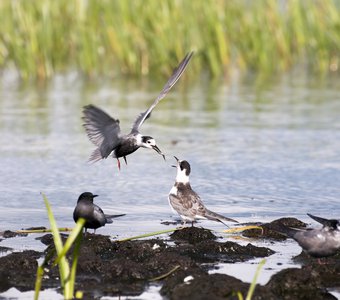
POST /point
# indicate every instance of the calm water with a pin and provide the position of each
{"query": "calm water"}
(257, 153)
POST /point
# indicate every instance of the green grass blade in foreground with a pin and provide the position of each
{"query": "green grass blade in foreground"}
(70, 240)
(253, 283)
(37, 287)
(40, 274)
(149, 234)
(78, 240)
(64, 268)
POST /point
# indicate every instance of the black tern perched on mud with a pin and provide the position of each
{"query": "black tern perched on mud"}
(186, 202)
(104, 131)
(91, 212)
(318, 243)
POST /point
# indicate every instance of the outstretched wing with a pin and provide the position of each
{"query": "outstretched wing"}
(102, 130)
(325, 222)
(171, 82)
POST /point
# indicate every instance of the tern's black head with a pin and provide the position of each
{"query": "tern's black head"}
(87, 196)
(331, 223)
(149, 142)
(184, 165)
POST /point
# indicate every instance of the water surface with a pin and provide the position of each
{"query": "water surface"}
(257, 152)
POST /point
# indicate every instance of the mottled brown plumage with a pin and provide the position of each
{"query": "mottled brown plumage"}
(186, 202)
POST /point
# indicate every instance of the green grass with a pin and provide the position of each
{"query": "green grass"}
(67, 273)
(109, 38)
(253, 283)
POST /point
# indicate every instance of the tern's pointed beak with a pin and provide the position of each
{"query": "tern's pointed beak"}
(158, 151)
(177, 162)
(95, 196)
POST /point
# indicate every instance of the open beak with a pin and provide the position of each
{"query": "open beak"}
(177, 162)
(158, 151)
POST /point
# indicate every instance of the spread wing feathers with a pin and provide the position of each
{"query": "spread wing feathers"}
(96, 155)
(325, 222)
(102, 130)
(177, 73)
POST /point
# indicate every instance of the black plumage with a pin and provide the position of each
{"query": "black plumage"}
(91, 212)
(104, 131)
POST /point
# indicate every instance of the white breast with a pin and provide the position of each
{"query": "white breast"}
(174, 192)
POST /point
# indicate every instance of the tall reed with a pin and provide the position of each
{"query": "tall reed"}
(42, 37)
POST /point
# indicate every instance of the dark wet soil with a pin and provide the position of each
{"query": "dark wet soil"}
(179, 265)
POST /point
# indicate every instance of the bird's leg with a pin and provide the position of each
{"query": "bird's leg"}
(94, 231)
(118, 163)
(125, 159)
(192, 223)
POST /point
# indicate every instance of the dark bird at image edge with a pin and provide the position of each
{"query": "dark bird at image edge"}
(319, 242)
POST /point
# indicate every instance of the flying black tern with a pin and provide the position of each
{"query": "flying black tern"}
(104, 131)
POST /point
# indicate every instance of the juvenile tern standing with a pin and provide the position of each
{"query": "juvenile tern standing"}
(92, 213)
(104, 131)
(186, 202)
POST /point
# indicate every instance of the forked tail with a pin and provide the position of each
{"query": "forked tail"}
(110, 217)
(210, 215)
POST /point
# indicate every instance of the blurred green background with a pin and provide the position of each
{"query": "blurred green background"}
(137, 37)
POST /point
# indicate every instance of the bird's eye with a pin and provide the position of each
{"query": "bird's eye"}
(149, 142)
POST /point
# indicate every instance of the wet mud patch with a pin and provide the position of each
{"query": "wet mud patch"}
(324, 268)
(298, 284)
(200, 244)
(189, 285)
(18, 270)
(10, 234)
(266, 231)
(179, 265)
(192, 235)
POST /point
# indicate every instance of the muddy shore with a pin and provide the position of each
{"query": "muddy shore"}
(179, 263)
